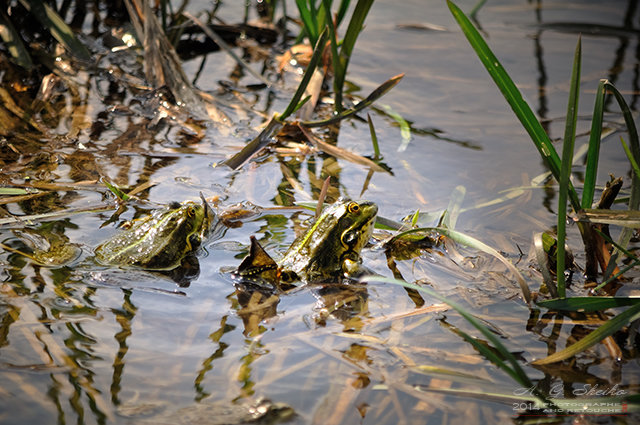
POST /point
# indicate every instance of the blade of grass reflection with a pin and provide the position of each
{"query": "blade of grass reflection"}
(34, 394)
(13, 43)
(297, 187)
(9, 104)
(53, 23)
(434, 308)
(284, 370)
(51, 352)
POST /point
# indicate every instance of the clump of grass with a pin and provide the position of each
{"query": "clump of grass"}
(316, 17)
(320, 28)
(560, 168)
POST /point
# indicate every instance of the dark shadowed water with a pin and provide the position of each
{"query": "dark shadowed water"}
(87, 344)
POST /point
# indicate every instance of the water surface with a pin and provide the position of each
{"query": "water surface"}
(80, 344)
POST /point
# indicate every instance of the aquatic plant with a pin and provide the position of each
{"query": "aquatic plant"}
(318, 27)
(560, 168)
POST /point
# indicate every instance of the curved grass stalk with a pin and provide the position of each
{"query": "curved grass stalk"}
(634, 200)
(594, 147)
(348, 42)
(481, 246)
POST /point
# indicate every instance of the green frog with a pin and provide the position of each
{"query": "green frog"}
(328, 250)
(161, 240)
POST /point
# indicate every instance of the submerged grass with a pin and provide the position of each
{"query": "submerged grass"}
(502, 357)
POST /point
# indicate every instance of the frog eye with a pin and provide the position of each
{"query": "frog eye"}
(353, 208)
(191, 211)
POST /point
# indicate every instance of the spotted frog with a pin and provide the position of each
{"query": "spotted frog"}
(328, 250)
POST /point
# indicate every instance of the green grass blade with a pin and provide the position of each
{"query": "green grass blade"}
(323, 14)
(608, 329)
(116, 190)
(628, 119)
(593, 153)
(634, 143)
(15, 191)
(514, 98)
(13, 43)
(313, 63)
(301, 104)
(374, 139)
(632, 160)
(342, 11)
(335, 56)
(622, 271)
(565, 170)
(589, 304)
(353, 30)
(634, 200)
(308, 21)
(53, 23)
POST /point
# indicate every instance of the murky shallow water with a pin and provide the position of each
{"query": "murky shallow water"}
(82, 345)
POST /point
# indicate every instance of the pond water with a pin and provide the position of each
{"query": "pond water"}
(86, 344)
